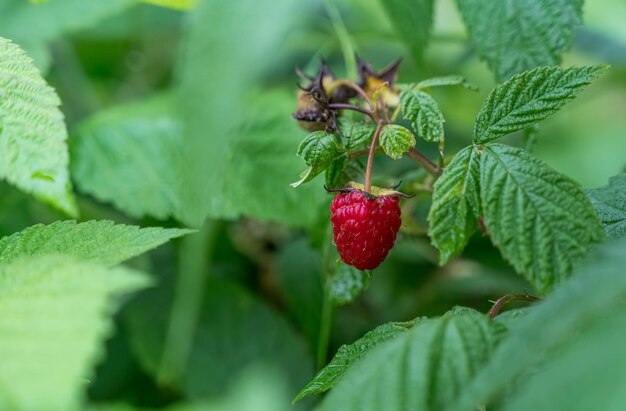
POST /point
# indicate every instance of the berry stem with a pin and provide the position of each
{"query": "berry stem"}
(358, 89)
(344, 106)
(370, 157)
(497, 306)
(431, 167)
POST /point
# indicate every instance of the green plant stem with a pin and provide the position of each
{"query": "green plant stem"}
(193, 271)
(431, 167)
(370, 157)
(327, 306)
(497, 306)
(348, 48)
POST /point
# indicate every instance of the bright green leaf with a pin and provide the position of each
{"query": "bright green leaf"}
(424, 113)
(318, 150)
(549, 332)
(347, 283)
(349, 354)
(518, 35)
(422, 369)
(452, 80)
(530, 97)
(55, 316)
(130, 156)
(413, 21)
(335, 173)
(455, 208)
(610, 204)
(102, 241)
(541, 221)
(32, 131)
(396, 140)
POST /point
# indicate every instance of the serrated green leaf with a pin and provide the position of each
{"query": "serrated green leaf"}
(32, 131)
(351, 353)
(318, 150)
(355, 135)
(455, 208)
(347, 283)
(610, 204)
(130, 156)
(103, 242)
(517, 35)
(424, 368)
(335, 173)
(541, 221)
(423, 111)
(56, 314)
(396, 140)
(452, 80)
(413, 21)
(551, 328)
(530, 97)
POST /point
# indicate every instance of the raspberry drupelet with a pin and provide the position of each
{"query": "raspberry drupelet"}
(364, 227)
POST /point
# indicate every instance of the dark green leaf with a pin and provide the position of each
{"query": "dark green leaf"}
(347, 283)
(318, 150)
(530, 97)
(610, 204)
(33, 137)
(335, 173)
(349, 354)
(425, 368)
(585, 305)
(453, 80)
(541, 221)
(355, 135)
(413, 21)
(130, 156)
(455, 209)
(396, 140)
(100, 241)
(517, 35)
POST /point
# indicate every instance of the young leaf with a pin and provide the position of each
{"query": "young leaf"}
(425, 368)
(56, 314)
(355, 135)
(102, 241)
(424, 113)
(318, 150)
(610, 204)
(455, 209)
(453, 80)
(530, 97)
(129, 156)
(517, 35)
(349, 354)
(396, 140)
(33, 135)
(347, 283)
(413, 21)
(595, 292)
(540, 220)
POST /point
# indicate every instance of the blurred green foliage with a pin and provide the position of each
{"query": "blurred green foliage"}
(183, 118)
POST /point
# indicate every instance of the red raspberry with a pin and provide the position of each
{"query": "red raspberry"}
(364, 228)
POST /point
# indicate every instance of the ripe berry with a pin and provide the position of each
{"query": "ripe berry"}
(364, 227)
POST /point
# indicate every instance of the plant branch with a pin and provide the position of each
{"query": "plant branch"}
(345, 106)
(358, 89)
(497, 306)
(370, 158)
(431, 167)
